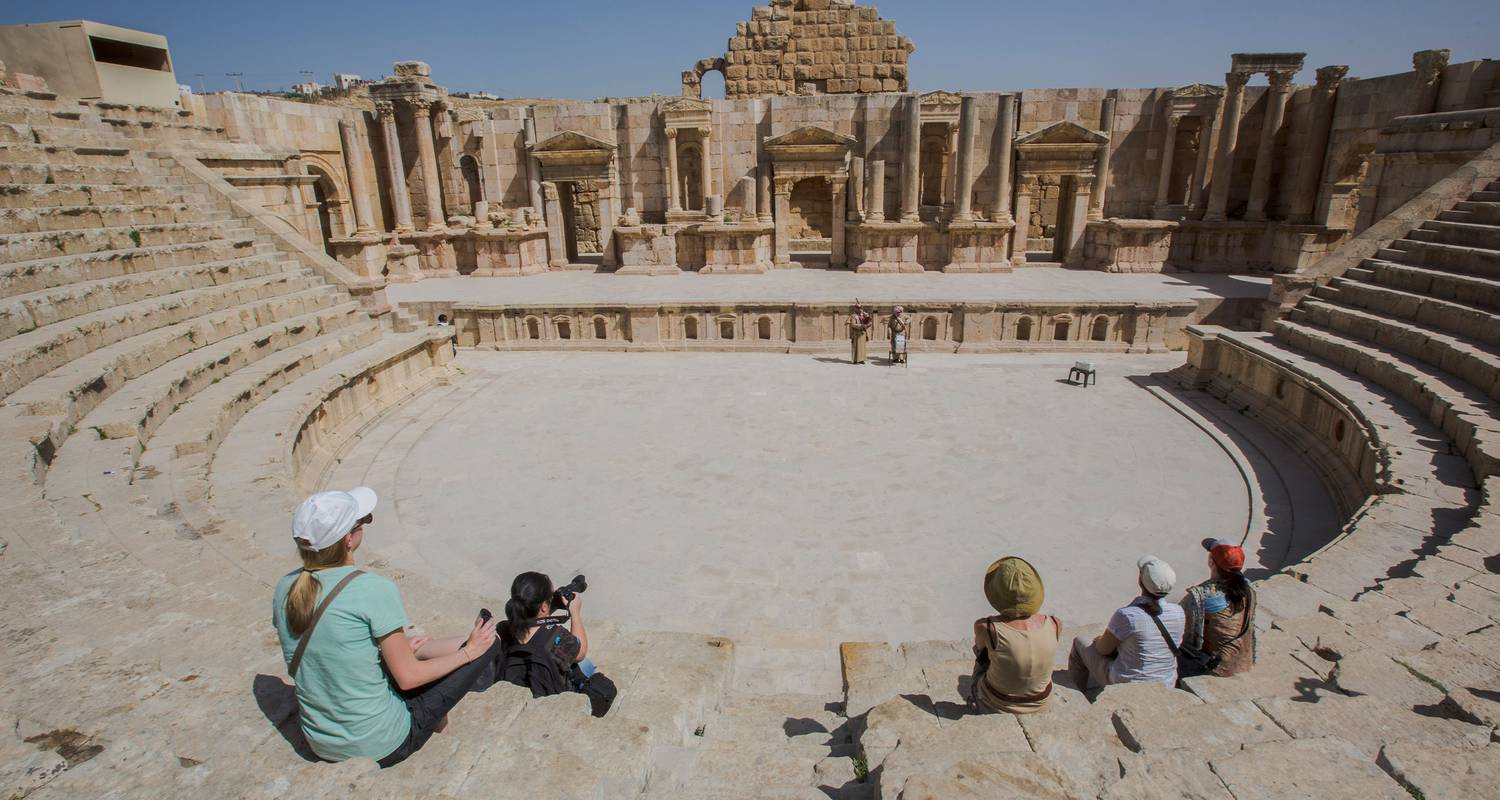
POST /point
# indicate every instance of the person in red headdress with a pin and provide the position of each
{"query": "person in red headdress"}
(1221, 610)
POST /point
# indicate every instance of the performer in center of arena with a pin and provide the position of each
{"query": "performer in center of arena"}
(898, 325)
(859, 333)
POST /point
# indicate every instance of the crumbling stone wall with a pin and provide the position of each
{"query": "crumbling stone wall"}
(810, 47)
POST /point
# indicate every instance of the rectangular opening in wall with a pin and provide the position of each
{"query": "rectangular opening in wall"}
(129, 54)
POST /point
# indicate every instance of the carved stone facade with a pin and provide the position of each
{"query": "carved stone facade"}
(809, 47)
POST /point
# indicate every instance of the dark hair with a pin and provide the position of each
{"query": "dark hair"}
(1236, 588)
(527, 593)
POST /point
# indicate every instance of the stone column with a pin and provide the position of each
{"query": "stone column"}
(763, 190)
(1101, 170)
(968, 122)
(1229, 133)
(747, 189)
(557, 246)
(856, 189)
(1195, 198)
(1309, 179)
(837, 256)
(1005, 132)
(400, 196)
(1083, 189)
(427, 154)
(1164, 178)
(533, 167)
(1022, 232)
(911, 159)
(674, 192)
(1265, 151)
(783, 244)
(707, 171)
(359, 183)
(1429, 65)
(875, 193)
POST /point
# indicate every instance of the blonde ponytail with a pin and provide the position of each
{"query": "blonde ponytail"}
(302, 600)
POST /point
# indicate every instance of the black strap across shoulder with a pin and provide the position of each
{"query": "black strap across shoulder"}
(317, 615)
(1157, 619)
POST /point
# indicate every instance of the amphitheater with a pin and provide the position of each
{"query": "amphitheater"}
(217, 303)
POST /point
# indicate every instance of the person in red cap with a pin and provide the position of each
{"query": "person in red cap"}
(1221, 610)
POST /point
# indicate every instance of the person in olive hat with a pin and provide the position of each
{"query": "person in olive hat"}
(1014, 649)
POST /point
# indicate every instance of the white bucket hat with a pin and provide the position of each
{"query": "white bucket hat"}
(326, 517)
(1157, 576)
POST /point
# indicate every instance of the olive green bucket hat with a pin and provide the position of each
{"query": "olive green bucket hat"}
(1014, 588)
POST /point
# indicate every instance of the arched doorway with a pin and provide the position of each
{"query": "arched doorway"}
(473, 182)
(325, 196)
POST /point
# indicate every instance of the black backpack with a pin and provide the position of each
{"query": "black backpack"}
(531, 666)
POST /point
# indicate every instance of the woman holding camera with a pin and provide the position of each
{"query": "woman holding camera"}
(542, 655)
(364, 689)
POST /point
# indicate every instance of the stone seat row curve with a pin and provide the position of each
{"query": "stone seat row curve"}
(154, 450)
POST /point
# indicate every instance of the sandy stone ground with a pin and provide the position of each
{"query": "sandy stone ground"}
(795, 502)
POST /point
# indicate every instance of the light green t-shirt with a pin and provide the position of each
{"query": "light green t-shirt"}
(348, 707)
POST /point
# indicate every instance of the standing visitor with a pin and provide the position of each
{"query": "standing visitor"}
(898, 325)
(343, 629)
(1220, 612)
(859, 333)
(1014, 650)
(1134, 647)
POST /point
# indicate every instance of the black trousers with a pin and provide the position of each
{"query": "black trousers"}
(431, 703)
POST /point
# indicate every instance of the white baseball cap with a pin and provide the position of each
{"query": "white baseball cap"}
(1157, 576)
(326, 517)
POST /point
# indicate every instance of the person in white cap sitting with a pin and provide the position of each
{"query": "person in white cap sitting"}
(338, 625)
(1133, 647)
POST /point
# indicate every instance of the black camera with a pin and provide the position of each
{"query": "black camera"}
(564, 594)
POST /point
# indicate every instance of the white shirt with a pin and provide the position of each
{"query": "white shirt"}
(1142, 654)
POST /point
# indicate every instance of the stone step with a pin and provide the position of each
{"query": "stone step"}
(803, 721)
(724, 768)
(79, 155)
(23, 278)
(73, 136)
(138, 408)
(42, 172)
(28, 312)
(1434, 283)
(1476, 363)
(72, 218)
(1461, 319)
(201, 423)
(1486, 196)
(57, 195)
(1473, 211)
(1463, 234)
(1469, 418)
(93, 354)
(32, 115)
(20, 248)
(1475, 261)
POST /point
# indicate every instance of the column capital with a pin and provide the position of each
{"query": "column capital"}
(422, 104)
(1430, 64)
(1027, 183)
(1083, 183)
(1330, 77)
(1281, 80)
(671, 134)
(705, 132)
(1174, 118)
(384, 109)
(549, 190)
(1235, 81)
(783, 185)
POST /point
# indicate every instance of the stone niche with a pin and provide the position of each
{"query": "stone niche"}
(809, 47)
(1061, 157)
(810, 168)
(579, 192)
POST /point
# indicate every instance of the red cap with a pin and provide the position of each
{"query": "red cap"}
(1226, 556)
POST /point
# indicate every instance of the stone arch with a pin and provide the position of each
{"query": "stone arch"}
(1023, 329)
(930, 329)
(468, 167)
(331, 198)
(533, 328)
(564, 327)
(1062, 327)
(1100, 331)
(692, 80)
(763, 327)
(811, 209)
(690, 328)
(601, 328)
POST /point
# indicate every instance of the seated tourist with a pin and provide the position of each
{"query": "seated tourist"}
(1132, 647)
(339, 626)
(1014, 649)
(542, 655)
(1220, 612)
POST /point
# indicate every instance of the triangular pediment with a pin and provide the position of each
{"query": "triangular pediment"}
(1197, 90)
(570, 142)
(810, 136)
(1065, 132)
(941, 98)
(681, 105)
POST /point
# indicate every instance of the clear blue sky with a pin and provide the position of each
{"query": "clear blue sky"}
(591, 48)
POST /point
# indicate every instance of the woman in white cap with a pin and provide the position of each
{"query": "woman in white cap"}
(1134, 646)
(342, 630)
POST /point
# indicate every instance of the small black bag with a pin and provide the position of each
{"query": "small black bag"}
(600, 689)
